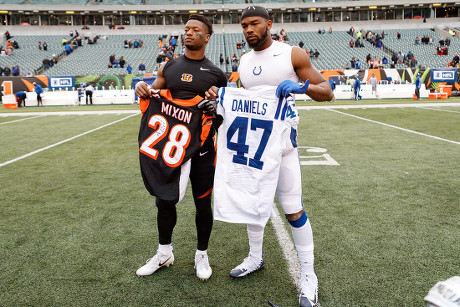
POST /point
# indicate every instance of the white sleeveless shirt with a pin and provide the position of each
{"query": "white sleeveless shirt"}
(268, 67)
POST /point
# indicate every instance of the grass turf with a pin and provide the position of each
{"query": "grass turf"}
(77, 221)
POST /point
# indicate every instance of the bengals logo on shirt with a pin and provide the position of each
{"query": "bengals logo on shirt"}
(187, 77)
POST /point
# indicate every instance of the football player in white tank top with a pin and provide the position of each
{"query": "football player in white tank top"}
(272, 63)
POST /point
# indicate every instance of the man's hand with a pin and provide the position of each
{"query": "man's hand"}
(143, 90)
(287, 86)
(208, 106)
(211, 94)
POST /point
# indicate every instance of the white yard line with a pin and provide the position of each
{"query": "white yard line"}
(18, 120)
(60, 113)
(383, 106)
(289, 251)
(396, 127)
(64, 141)
(442, 110)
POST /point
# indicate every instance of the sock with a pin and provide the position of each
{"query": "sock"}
(303, 239)
(200, 252)
(256, 239)
(165, 249)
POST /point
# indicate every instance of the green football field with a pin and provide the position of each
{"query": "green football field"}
(381, 186)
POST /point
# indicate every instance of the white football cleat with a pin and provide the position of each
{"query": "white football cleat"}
(154, 263)
(248, 266)
(309, 290)
(203, 269)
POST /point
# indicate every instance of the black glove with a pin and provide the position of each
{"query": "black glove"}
(208, 106)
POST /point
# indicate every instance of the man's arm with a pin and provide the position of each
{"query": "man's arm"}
(318, 89)
(143, 89)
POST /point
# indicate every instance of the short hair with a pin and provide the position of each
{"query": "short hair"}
(204, 20)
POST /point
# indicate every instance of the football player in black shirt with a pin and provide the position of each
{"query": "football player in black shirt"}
(186, 77)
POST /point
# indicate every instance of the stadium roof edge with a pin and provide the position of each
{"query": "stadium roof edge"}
(218, 7)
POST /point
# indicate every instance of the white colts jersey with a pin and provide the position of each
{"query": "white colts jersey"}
(269, 67)
(250, 145)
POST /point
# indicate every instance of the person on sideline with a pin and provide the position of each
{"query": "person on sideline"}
(418, 85)
(373, 83)
(39, 90)
(89, 93)
(186, 77)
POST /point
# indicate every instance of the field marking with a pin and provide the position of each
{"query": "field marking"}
(434, 109)
(381, 106)
(18, 120)
(396, 127)
(64, 141)
(60, 113)
(289, 251)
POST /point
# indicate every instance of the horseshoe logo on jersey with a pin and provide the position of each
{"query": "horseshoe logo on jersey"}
(187, 77)
(257, 73)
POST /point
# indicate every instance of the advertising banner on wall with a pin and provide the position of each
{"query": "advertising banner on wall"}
(444, 74)
(61, 82)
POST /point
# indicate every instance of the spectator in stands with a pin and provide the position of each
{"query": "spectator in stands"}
(417, 41)
(235, 58)
(227, 61)
(311, 54)
(173, 43)
(39, 90)
(455, 60)
(136, 44)
(393, 64)
(373, 83)
(46, 64)
(6, 71)
(418, 85)
(398, 35)
(21, 98)
(15, 70)
(7, 35)
(141, 43)
(68, 49)
(368, 57)
(112, 58)
(413, 63)
(142, 68)
(384, 60)
(130, 44)
(330, 30)
(115, 63)
(110, 65)
(45, 46)
(347, 66)
(394, 58)
(301, 44)
(400, 58)
(358, 64)
(352, 62)
(122, 62)
(40, 46)
(129, 69)
(221, 59)
(234, 66)
(351, 43)
(383, 34)
(125, 45)
(351, 31)
(1, 71)
(160, 59)
(89, 93)
(71, 33)
(316, 54)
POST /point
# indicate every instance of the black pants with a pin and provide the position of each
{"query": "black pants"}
(202, 179)
(90, 95)
(39, 99)
(417, 92)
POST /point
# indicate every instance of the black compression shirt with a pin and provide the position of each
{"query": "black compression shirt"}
(185, 78)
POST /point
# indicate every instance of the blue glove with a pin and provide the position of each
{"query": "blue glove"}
(288, 86)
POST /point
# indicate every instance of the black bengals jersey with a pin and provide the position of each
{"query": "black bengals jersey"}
(171, 132)
(185, 78)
